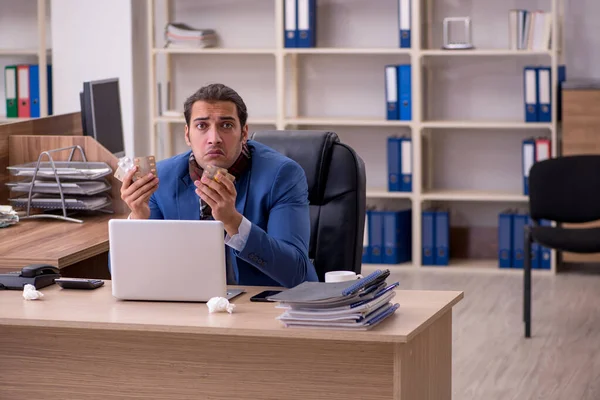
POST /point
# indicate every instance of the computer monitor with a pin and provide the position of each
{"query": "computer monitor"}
(102, 114)
(86, 113)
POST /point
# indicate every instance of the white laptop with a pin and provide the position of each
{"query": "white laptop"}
(168, 260)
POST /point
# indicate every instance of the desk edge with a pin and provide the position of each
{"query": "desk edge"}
(372, 336)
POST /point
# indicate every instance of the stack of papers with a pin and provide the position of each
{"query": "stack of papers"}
(182, 35)
(52, 187)
(357, 305)
(82, 183)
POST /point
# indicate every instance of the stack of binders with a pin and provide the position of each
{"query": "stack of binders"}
(354, 305)
(300, 23)
(511, 241)
(435, 239)
(398, 92)
(533, 150)
(387, 237)
(399, 162)
(22, 90)
(537, 93)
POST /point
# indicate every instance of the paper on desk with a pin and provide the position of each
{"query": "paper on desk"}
(30, 293)
(219, 304)
(8, 216)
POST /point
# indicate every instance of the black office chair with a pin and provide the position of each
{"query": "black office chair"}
(564, 190)
(336, 193)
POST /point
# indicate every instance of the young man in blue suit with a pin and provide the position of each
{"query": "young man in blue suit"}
(264, 209)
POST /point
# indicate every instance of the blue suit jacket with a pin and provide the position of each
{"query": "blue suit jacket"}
(272, 195)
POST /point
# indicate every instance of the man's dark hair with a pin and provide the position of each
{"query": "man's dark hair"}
(216, 92)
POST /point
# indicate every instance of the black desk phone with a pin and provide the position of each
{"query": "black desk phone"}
(38, 275)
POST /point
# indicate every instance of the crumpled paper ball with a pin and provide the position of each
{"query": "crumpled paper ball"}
(30, 293)
(219, 304)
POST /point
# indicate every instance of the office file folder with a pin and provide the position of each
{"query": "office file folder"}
(505, 239)
(544, 96)
(307, 23)
(428, 237)
(545, 253)
(393, 162)
(397, 228)
(366, 255)
(10, 91)
(23, 91)
(528, 156)
(50, 95)
(405, 164)
(391, 92)
(376, 236)
(442, 237)
(35, 77)
(530, 94)
(562, 76)
(404, 92)
(535, 251)
(404, 20)
(542, 149)
(34, 91)
(520, 220)
(290, 23)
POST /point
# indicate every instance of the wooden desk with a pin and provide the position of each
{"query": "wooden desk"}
(79, 250)
(59, 243)
(86, 344)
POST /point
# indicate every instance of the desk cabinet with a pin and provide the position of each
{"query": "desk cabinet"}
(581, 134)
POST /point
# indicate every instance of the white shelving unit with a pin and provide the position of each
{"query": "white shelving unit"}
(41, 52)
(288, 88)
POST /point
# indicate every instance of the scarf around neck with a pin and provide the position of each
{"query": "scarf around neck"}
(240, 165)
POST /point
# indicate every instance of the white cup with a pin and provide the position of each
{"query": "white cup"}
(341, 276)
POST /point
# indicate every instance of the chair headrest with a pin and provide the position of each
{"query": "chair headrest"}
(311, 149)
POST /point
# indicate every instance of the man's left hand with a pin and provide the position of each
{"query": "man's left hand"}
(220, 196)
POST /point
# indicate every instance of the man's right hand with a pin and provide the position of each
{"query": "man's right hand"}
(137, 194)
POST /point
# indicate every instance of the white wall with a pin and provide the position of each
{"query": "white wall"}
(92, 40)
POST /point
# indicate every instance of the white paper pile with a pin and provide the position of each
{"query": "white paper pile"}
(182, 35)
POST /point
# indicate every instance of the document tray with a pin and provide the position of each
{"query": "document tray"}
(55, 203)
(80, 170)
(87, 188)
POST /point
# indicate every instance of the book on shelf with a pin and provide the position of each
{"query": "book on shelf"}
(300, 23)
(398, 92)
(435, 236)
(529, 30)
(537, 92)
(404, 23)
(511, 241)
(387, 236)
(399, 163)
(22, 90)
(534, 149)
